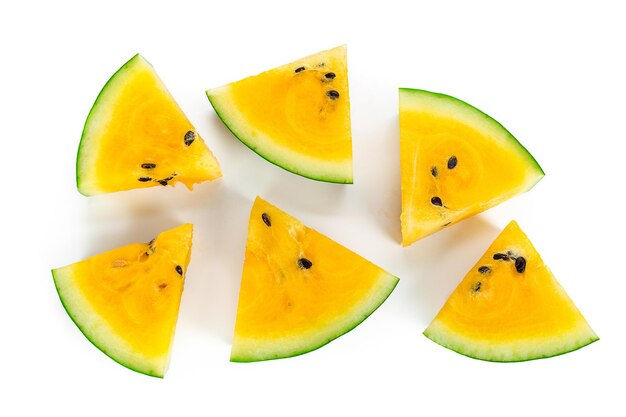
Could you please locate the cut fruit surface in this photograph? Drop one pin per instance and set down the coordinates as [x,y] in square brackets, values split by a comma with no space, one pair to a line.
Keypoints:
[299,289]
[296,116]
[455,162]
[136,136]
[126,301]
[510,308]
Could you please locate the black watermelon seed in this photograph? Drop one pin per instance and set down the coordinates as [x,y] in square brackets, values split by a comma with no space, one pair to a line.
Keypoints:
[484,269]
[151,242]
[434,171]
[447,224]
[179,269]
[162,286]
[148,166]
[330,75]
[520,264]
[163,182]
[476,286]
[436,201]
[144,179]
[334,95]
[304,263]
[501,256]
[168,178]
[266,219]
[299,69]
[190,136]
[452,162]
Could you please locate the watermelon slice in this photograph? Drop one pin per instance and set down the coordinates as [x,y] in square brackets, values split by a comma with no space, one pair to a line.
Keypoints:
[455,162]
[510,308]
[296,116]
[126,301]
[136,136]
[299,289]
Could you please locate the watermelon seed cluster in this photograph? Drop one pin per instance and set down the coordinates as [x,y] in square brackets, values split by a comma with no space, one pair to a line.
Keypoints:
[520,261]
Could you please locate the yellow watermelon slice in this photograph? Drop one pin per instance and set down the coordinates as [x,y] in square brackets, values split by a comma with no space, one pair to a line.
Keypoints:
[455,162]
[510,308]
[126,301]
[296,116]
[137,136]
[299,289]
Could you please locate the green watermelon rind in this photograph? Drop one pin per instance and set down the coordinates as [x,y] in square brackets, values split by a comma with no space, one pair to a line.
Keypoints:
[100,99]
[491,121]
[381,296]
[68,310]
[451,346]
[330,178]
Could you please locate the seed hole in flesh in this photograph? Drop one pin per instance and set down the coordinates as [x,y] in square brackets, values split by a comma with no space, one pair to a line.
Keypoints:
[119,263]
[148,166]
[434,172]
[334,95]
[476,286]
[520,264]
[436,201]
[179,269]
[452,162]
[162,286]
[304,263]
[330,75]
[144,179]
[501,256]
[300,69]
[266,219]
[190,136]
[484,269]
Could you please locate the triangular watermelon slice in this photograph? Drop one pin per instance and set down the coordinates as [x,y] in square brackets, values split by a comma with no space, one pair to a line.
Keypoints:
[455,162]
[136,136]
[296,116]
[510,307]
[126,301]
[299,289]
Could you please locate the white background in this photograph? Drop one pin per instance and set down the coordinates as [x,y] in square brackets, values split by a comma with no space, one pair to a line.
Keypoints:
[551,72]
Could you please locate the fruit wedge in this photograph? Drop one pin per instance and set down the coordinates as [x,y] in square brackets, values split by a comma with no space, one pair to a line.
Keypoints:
[455,162]
[136,136]
[296,116]
[299,289]
[126,301]
[510,308]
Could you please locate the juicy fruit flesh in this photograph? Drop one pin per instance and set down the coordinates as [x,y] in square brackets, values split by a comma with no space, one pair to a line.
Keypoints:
[296,116]
[136,123]
[299,289]
[126,300]
[455,162]
[499,313]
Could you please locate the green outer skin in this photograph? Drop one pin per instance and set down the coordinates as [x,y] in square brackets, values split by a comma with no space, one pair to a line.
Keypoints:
[576,347]
[129,63]
[530,157]
[126,365]
[243,359]
[267,158]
